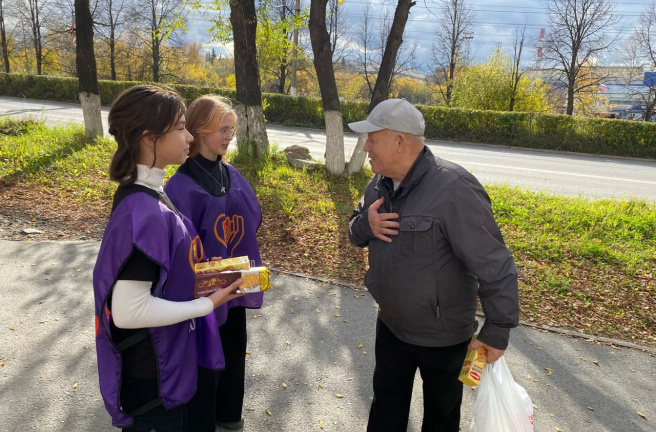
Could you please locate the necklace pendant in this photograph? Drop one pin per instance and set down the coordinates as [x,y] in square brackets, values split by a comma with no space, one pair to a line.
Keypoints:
[222,189]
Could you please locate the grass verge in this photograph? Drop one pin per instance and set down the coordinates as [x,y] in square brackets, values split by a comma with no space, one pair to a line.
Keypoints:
[584,265]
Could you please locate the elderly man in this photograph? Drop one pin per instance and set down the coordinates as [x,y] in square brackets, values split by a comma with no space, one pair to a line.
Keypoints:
[434,246]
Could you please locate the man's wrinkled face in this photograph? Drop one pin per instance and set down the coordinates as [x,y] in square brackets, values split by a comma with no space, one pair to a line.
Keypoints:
[382,149]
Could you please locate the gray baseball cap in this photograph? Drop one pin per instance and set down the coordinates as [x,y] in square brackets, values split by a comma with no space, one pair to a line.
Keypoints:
[394,114]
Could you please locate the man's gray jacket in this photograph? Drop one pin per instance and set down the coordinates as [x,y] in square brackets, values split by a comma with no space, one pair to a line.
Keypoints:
[448,250]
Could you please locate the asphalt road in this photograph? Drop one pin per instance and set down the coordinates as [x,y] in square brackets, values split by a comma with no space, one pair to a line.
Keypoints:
[307,336]
[548,171]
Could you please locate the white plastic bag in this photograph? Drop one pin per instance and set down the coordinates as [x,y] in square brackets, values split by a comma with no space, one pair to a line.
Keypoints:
[501,404]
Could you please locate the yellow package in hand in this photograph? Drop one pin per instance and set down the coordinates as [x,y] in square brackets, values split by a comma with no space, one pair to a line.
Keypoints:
[473,366]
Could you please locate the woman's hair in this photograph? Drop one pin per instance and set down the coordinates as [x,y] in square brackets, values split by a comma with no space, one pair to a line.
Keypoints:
[142,108]
[204,116]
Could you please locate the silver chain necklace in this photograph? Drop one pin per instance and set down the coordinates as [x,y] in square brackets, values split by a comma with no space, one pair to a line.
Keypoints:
[211,176]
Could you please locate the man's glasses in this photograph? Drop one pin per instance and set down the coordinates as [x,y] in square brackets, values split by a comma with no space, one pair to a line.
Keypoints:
[227,132]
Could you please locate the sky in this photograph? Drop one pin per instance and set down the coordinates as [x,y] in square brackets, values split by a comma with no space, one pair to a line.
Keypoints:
[495,24]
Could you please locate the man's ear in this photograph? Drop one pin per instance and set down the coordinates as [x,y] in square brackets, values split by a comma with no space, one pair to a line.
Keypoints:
[402,143]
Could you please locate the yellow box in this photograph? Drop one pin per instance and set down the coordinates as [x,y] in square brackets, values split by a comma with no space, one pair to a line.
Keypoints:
[237,263]
[473,366]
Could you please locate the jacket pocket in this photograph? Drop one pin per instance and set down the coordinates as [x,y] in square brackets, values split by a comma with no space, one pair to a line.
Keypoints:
[415,237]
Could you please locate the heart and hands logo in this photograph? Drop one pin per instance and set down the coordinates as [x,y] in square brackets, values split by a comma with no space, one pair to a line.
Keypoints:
[229,231]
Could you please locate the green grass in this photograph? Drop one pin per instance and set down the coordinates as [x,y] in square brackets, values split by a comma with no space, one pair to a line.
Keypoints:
[586,265]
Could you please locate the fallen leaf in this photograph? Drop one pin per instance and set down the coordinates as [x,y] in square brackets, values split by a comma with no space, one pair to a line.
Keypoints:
[356,296]
[360,346]
[320,387]
[347,379]
[334,293]
[288,343]
[590,408]
[320,423]
[250,409]
[536,380]
[248,353]
[595,362]
[338,307]
[75,385]
[268,412]
[616,347]
[318,311]
[632,370]
[346,321]
[339,395]
[12,328]
[337,315]
[256,316]
[558,429]
[295,298]
[292,310]
[2,364]
[284,385]
[538,348]
[364,353]
[642,415]
[548,371]
[535,406]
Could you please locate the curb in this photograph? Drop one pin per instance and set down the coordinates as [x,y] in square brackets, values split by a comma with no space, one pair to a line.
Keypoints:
[569,333]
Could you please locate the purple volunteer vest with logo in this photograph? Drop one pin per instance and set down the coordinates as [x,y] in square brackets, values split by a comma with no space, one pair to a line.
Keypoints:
[227,225]
[141,221]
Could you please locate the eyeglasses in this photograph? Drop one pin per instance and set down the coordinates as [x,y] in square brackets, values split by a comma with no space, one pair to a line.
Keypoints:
[227,132]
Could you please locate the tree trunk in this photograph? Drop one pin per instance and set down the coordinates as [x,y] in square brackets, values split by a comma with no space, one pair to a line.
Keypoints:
[282,77]
[384,79]
[86,70]
[112,54]
[3,38]
[251,131]
[394,41]
[323,64]
[155,41]
[570,97]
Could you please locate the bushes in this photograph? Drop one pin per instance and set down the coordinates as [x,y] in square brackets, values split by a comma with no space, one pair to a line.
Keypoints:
[530,130]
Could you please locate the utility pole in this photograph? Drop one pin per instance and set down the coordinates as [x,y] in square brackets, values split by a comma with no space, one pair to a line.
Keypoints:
[297,12]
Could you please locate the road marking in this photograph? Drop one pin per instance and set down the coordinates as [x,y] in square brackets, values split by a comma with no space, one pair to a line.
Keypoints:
[475,164]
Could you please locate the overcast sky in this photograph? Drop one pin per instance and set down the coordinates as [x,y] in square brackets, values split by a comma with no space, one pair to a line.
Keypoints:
[495,23]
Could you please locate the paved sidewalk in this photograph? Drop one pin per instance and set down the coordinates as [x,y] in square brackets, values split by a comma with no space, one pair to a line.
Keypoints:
[307,336]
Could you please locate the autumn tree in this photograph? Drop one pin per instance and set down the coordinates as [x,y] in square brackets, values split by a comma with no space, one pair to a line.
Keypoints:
[241,28]
[33,16]
[452,38]
[516,73]
[388,67]
[489,85]
[86,69]
[162,20]
[251,133]
[576,37]
[638,52]
[112,16]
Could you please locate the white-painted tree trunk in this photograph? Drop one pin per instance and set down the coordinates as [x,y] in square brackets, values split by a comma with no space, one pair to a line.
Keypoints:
[358,156]
[251,129]
[91,111]
[335,160]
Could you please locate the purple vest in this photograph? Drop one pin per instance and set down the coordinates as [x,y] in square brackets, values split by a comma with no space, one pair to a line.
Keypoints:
[142,221]
[227,225]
